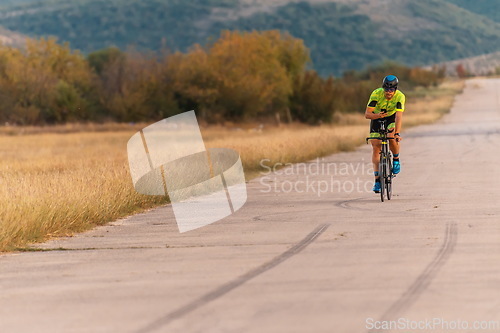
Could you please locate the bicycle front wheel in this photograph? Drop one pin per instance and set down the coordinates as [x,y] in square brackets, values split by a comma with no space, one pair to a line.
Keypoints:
[382,177]
[388,187]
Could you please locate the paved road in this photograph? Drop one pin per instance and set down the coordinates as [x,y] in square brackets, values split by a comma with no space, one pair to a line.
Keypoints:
[290,261]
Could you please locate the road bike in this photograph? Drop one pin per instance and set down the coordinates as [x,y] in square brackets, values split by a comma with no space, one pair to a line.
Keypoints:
[385,166]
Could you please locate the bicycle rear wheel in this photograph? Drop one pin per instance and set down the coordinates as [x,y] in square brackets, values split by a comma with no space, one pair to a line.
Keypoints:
[382,176]
[388,186]
[388,182]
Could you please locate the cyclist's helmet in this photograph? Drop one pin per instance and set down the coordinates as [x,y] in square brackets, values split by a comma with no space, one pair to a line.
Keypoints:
[390,81]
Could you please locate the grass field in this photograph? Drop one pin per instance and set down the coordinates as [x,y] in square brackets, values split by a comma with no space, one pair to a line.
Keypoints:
[61,180]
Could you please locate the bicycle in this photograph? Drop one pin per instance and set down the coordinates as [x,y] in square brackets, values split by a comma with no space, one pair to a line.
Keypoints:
[385,166]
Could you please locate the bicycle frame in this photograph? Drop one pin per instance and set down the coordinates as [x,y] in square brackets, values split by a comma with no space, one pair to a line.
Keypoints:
[385,165]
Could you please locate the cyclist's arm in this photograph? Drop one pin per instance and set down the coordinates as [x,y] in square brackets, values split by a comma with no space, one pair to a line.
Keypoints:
[399,121]
[400,107]
[370,115]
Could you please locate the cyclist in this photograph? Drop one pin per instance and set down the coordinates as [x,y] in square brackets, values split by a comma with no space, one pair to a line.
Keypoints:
[386,104]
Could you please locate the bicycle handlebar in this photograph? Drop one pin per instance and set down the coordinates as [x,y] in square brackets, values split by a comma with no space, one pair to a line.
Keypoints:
[381,139]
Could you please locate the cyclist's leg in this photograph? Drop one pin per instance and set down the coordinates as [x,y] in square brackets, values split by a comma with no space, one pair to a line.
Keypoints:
[392,143]
[377,146]
[395,147]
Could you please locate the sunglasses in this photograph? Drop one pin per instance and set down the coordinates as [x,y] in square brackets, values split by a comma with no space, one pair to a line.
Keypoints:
[390,89]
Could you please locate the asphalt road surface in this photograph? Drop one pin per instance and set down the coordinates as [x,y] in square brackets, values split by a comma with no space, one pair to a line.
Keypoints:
[293,259]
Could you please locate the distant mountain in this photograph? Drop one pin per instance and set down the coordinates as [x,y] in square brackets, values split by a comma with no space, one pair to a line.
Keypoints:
[488,8]
[11,38]
[341,34]
[10,3]
[484,64]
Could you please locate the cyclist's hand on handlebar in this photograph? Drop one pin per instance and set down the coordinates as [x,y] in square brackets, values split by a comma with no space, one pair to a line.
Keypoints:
[398,138]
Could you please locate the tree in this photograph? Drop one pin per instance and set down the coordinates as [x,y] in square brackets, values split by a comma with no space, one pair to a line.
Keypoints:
[100,60]
[461,71]
[135,87]
[194,80]
[40,80]
[255,72]
[314,98]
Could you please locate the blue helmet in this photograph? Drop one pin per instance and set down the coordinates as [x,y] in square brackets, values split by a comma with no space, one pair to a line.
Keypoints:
[390,81]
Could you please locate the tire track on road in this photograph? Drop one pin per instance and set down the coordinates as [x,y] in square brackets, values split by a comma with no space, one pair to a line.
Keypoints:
[346,204]
[411,295]
[226,288]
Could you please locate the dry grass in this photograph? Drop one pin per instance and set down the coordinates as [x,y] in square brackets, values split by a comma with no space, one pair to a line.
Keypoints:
[429,105]
[71,128]
[289,144]
[55,184]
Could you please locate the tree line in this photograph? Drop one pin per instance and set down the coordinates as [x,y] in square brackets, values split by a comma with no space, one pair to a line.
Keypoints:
[241,76]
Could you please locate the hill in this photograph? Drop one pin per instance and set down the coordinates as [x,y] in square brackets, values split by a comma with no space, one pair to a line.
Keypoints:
[485,64]
[11,3]
[8,37]
[488,8]
[341,34]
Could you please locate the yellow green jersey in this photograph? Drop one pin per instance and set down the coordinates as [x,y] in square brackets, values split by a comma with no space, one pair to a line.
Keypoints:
[378,101]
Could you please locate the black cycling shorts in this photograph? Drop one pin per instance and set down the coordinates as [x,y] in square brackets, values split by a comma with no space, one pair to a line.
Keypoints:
[390,122]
